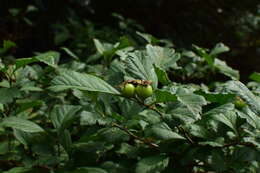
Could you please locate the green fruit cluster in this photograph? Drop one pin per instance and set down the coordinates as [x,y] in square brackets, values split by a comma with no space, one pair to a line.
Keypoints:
[142,91]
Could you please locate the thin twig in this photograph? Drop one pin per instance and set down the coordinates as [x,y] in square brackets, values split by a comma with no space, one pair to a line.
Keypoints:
[152,145]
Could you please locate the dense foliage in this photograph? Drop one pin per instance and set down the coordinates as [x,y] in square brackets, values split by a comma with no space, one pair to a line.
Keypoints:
[71,117]
[86,106]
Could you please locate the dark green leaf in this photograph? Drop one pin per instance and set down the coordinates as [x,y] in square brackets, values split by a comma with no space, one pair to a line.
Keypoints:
[86,82]
[152,164]
[22,124]
[255,76]
[241,90]
[162,76]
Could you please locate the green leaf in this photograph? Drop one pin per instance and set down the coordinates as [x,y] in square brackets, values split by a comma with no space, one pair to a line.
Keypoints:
[216,97]
[218,49]
[65,140]
[241,90]
[74,80]
[162,76]
[70,53]
[221,109]
[198,131]
[63,115]
[8,94]
[193,102]
[89,170]
[226,70]
[21,62]
[203,53]
[149,38]
[153,164]
[250,117]
[218,161]
[7,44]
[164,96]
[162,131]
[50,58]
[140,66]
[163,57]
[255,76]
[99,46]
[89,118]
[19,170]
[22,124]
[228,118]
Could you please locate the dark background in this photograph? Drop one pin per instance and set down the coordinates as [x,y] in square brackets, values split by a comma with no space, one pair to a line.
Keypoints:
[184,22]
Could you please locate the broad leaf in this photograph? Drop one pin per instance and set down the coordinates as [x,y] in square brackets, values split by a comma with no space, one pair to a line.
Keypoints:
[152,164]
[163,57]
[86,82]
[8,94]
[164,96]
[50,58]
[22,124]
[162,131]
[140,66]
[63,115]
[241,90]
[226,70]
[228,118]
[193,102]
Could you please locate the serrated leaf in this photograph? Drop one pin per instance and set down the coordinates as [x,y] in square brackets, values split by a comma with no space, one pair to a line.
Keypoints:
[250,117]
[241,90]
[22,124]
[193,102]
[162,131]
[226,70]
[74,80]
[153,164]
[163,57]
[221,109]
[63,115]
[228,118]
[140,66]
